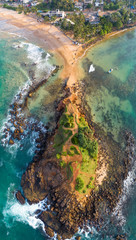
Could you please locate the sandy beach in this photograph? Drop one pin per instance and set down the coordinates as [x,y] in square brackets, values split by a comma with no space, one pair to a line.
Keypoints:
[50,38]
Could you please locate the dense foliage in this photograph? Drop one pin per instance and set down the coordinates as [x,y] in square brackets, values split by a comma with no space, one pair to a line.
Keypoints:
[85,31]
[55,4]
[9,7]
[79,183]
[111,6]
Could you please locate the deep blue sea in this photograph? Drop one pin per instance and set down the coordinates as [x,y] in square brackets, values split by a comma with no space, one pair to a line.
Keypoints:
[114,97]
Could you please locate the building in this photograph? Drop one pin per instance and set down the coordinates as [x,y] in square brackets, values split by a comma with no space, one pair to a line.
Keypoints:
[58,13]
[79,5]
[86,2]
[98,3]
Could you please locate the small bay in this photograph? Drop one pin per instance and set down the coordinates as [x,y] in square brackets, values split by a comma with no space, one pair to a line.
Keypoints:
[110,101]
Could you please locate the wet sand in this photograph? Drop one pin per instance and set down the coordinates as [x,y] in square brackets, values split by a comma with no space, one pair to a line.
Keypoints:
[51,38]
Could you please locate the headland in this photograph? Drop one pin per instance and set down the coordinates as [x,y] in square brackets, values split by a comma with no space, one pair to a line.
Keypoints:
[78,170]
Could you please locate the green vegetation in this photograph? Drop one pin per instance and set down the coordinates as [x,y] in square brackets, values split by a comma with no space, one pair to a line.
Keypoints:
[60,138]
[111,6]
[9,7]
[90,184]
[79,183]
[58,156]
[62,164]
[85,140]
[74,139]
[64,153]
[69,170]
[42,6]
[84,145]
[66,5]
[73,149]
[85,31]
[88,147]
[70,153]
[67,120]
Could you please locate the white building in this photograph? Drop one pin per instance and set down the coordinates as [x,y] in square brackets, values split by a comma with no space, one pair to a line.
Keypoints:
[86,2]
[57,13]
[79,5]
[98,3]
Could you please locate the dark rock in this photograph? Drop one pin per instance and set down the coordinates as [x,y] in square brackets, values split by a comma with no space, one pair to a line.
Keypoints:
[50,220]
[49,231]
[20,197]
[11,142]
[58,237]
[78,238]
[61,106]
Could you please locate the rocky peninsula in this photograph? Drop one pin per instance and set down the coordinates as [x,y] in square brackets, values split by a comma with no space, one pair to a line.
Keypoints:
[78,168]
[80,173]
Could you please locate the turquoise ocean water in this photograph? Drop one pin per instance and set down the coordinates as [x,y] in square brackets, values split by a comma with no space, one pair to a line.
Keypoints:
[112,98]
[17,58]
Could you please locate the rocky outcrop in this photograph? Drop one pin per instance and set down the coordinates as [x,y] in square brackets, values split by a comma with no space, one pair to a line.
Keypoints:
[20,197]
[45,178]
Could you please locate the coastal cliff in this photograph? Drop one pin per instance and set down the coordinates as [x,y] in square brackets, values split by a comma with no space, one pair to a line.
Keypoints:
[79,173]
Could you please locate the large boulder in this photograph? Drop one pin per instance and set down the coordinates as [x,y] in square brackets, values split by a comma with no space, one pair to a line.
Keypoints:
[20,197]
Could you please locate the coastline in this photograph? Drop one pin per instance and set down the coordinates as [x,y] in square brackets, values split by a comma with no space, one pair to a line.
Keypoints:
[54,41]
[48,37]
[70,69]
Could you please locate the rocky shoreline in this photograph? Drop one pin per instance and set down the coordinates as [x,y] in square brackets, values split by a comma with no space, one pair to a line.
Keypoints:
[18,124]
[44,178]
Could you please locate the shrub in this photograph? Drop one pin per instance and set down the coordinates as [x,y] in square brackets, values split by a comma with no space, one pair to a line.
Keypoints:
[58,156]
[83,140]
[74,139]
[91,178]
[74,150]
[79,183]
[9,7]
[90,185]
[82,122]
[62,163]
[69,170]
[93,149]
[71,153]
[64,153]
[60,138]
[67,120]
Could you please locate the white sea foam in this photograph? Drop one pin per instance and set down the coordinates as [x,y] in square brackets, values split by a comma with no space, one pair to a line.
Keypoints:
[36,55]
[92,68]
[128,186]
[41,59]
[26,213]
[87,232]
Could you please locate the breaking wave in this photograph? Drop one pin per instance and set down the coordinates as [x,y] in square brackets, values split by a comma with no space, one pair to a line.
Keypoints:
[17,123]
[128,188]
[38,57]
[26,213]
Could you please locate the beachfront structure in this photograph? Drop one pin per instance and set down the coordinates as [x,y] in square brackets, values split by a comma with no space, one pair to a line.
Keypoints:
[57,13]
[25,1]
[98,3]
[79,5]
[86,2]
